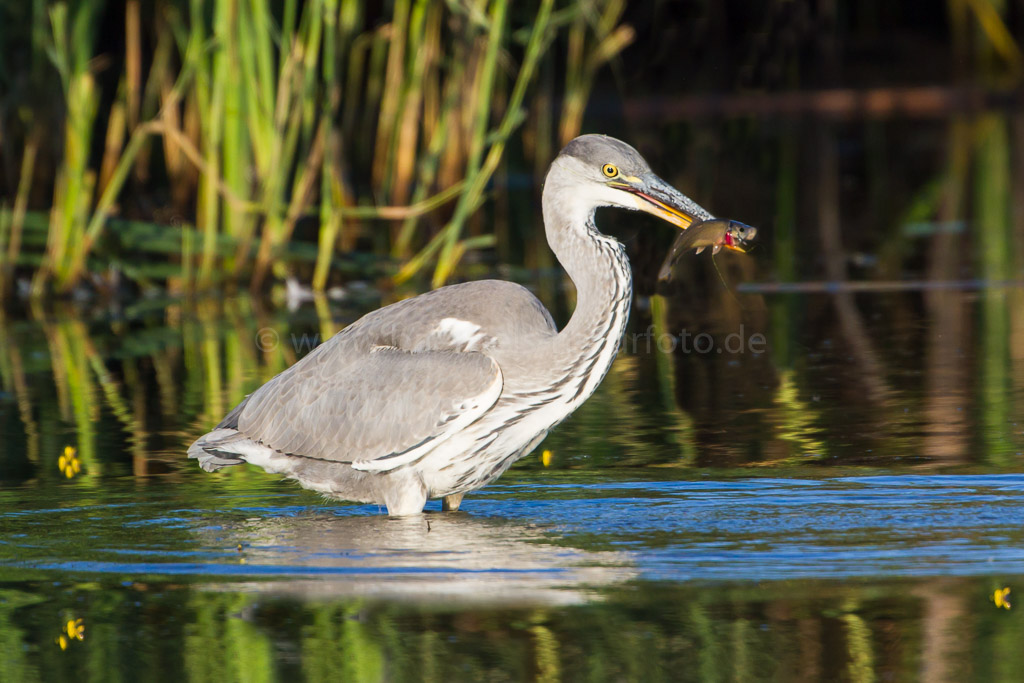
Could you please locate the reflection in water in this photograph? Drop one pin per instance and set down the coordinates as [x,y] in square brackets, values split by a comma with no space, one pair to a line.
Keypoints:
[866,578]
[840,378]
[650,632]
[871,373]
[439,559]
[945,417]
[129,396]
[947,379]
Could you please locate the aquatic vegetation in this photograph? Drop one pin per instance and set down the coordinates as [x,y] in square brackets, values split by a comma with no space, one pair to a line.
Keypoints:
[74,630]
[68,463]
[331,119]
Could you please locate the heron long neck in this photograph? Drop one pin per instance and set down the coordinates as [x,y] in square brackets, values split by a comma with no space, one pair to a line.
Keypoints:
[598,267]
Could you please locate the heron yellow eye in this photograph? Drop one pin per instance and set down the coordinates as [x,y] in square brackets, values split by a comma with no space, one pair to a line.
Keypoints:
[609,170]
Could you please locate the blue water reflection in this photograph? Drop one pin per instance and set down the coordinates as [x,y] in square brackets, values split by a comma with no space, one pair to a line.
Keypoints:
[751,529]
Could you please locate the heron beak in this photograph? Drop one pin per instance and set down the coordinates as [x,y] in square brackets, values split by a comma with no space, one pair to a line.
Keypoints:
[657,197]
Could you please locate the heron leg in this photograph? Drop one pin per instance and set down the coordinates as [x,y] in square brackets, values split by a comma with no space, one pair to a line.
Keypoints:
[406,500]
[452,502]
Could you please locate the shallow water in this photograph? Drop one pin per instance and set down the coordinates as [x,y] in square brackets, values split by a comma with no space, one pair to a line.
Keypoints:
[841,502]
[695,579]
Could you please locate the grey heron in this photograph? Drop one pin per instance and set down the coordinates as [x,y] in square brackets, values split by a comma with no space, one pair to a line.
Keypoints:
[437,395]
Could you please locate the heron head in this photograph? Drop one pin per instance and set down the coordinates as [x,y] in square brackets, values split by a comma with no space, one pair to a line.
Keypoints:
[608,172]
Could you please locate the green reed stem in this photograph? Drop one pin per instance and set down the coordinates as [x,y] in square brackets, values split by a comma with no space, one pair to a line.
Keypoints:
[17,215]
[513,117]
[482,110]
[264,119]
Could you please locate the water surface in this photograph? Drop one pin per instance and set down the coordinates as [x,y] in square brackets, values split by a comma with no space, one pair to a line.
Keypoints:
[697,578]
[842,501]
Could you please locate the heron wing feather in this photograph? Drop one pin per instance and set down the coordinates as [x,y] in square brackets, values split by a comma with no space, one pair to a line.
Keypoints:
[377,410]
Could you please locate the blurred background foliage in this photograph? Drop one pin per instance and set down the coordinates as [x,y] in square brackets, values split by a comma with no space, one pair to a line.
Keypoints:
[238,140]
[193,145]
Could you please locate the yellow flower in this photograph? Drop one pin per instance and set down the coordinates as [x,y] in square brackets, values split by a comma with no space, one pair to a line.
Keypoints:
[68,463]
[75,629]
[545,458]
[999,597]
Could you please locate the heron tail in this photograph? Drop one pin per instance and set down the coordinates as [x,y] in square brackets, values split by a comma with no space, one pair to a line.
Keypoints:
[219,448]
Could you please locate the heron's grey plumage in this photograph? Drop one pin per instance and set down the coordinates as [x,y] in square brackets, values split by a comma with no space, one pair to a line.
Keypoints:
[438,395]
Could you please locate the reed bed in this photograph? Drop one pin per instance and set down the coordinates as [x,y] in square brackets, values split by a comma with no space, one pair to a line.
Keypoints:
[245,128]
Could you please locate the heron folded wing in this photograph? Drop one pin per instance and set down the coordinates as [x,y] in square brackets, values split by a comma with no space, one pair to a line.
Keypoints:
[378,410]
